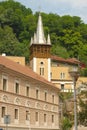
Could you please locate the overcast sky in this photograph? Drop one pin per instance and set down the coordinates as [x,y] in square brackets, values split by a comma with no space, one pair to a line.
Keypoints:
[61,7]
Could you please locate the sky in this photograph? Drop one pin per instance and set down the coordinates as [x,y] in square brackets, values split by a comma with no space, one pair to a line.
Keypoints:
[60,7]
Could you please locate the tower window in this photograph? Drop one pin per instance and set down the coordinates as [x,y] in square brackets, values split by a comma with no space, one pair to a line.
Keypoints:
[41,71]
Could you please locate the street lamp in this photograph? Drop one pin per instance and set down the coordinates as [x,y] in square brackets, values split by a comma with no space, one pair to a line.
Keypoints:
[75,74]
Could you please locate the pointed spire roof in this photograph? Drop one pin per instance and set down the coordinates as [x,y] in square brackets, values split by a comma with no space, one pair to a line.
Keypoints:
[39,37]
[40,31]
[48,40]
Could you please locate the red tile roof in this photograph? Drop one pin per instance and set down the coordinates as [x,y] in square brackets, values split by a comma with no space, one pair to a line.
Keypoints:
[9,64]
[70,61]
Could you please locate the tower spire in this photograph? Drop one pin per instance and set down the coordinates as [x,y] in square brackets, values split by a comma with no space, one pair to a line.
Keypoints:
[48,40]
[40,31]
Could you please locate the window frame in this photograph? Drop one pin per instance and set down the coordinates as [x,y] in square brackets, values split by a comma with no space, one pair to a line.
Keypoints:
[42,71]
[3,113]
[45,95]
[62,75]
[28,88]
[37,116]
[27,115]
[37,93]
[17,88]
[53,98]
[52,118]
[5,88]
[16,113]
[45,117]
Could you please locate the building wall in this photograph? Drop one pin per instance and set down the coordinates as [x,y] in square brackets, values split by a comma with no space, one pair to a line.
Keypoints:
[44,65]
[19,60]
[60,76]
[60,73]
[41,63]
[11,101]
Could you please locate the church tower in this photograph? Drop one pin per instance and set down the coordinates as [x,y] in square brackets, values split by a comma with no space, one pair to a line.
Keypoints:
[40,57]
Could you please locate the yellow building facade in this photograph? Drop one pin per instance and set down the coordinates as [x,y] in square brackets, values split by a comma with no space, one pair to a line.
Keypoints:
[27,101]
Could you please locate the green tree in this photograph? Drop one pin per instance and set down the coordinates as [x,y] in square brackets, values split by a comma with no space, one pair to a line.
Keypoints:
[73,42]
[67,117]
[66,124]
[8,41]
[82,115]
[60,51]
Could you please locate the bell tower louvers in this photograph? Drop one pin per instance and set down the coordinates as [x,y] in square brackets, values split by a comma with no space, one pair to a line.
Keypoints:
[40,51]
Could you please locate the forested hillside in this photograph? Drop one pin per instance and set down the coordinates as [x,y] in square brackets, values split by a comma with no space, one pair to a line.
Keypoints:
[18,24]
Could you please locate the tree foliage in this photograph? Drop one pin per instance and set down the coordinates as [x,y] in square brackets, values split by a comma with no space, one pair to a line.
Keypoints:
[66,121]
[68,34]
[82,115]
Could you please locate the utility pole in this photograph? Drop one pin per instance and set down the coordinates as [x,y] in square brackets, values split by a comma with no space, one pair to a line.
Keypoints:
[75,74]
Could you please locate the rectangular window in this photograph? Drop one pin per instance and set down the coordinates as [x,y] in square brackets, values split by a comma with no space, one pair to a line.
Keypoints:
[52,98]
[62,75]
[45,96]
[51,75]
[27,115]
[41,71]
[52,118]
[37,93]
[62,86]
[45,118]
[17,87]
[4,84]
[27,91]
[16,114]
[3,112]
[36,116]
